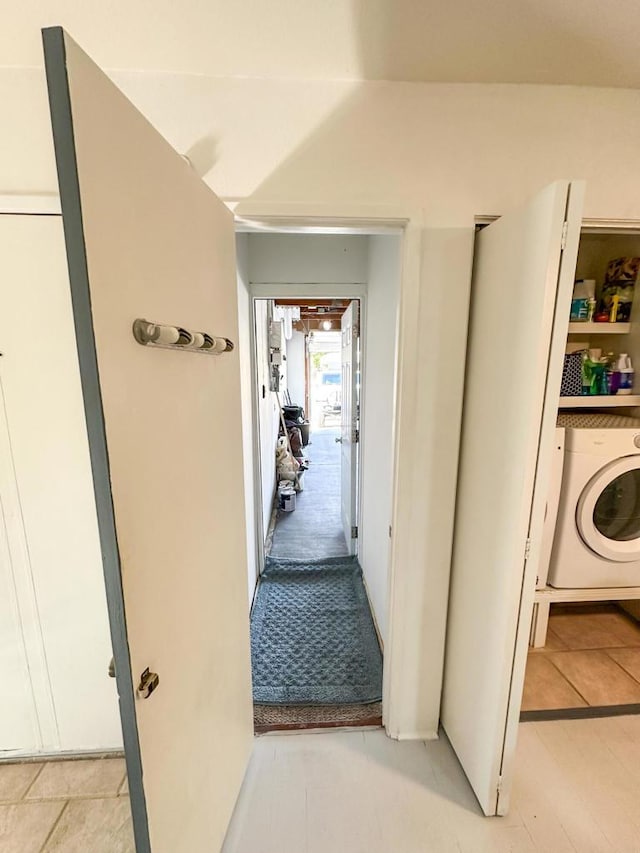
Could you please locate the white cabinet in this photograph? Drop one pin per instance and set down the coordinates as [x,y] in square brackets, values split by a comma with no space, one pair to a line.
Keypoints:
[55,636]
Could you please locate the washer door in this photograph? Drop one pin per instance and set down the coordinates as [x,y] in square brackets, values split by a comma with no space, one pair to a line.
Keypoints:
[608,512]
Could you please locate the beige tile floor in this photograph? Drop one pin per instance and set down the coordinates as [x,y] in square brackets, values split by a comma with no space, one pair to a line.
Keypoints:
[592,658]
[65,806]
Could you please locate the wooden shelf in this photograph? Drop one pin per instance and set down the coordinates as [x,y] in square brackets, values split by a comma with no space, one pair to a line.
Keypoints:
[593,402]
[599,328]
[623,593]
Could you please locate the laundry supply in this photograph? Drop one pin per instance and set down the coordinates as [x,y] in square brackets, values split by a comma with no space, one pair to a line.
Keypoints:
[626,373]
[584,291]
[619,282]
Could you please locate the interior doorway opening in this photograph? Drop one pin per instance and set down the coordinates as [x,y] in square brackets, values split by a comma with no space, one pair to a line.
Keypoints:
[314,303]
[315,365]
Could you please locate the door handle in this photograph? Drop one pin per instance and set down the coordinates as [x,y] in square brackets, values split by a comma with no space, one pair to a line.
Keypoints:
[338,440]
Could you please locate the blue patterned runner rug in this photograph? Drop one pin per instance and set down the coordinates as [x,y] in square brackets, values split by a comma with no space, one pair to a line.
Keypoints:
[313,641]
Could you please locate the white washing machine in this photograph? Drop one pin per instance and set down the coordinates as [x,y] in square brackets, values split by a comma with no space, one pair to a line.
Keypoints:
[597,537]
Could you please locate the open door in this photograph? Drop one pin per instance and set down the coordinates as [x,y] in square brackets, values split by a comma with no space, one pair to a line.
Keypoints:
[522,284]
[146,239]
[350,424]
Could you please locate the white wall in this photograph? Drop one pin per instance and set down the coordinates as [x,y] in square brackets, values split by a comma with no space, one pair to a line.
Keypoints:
[296,357]
[380,329]
[445,152]
[307,259]
[247,383]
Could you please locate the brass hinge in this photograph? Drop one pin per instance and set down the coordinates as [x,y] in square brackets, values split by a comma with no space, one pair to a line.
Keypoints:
[565,231]
[354,531]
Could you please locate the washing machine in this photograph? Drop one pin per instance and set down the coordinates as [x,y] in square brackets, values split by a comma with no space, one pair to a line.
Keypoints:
[597,536]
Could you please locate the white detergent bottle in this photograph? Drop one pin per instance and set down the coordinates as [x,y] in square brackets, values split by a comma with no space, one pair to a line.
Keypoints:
[626,372]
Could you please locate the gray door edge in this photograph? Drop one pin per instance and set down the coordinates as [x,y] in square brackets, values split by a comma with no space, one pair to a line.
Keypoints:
[62,123]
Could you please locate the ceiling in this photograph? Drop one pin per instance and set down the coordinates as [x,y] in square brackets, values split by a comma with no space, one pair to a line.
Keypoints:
[585,42]
[315,312]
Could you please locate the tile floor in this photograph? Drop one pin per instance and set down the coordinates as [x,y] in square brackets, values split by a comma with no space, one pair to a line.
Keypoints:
[576,790]
[592,658]
[65,807]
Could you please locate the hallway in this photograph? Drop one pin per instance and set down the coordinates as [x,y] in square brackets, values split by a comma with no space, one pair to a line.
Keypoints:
[316,659]
[314,529]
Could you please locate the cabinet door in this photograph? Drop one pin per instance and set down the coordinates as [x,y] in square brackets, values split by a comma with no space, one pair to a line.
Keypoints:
[61,588]
[147,239]
[19,731]
[522,283]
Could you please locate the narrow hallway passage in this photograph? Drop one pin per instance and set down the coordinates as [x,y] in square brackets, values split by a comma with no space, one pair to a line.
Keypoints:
[314,530]
[316,660]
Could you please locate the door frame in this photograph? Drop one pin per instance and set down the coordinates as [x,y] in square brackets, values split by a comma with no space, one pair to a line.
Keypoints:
[367,220]
[260,292]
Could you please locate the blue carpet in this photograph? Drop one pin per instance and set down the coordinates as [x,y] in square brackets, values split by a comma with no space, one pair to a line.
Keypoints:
[313,641]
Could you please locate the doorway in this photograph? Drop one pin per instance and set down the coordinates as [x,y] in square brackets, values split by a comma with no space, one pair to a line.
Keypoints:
[315,508]
[313,306]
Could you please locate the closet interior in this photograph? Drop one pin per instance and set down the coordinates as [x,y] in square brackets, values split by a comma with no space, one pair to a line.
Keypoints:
[584,655]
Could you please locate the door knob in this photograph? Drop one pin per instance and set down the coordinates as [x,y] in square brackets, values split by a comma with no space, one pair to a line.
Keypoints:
[338,440]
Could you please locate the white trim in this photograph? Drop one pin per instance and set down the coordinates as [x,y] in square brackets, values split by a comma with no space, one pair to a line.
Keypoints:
[23,203]
[407,371]
[589,226]
[419,735]
[259,531]
[299,218]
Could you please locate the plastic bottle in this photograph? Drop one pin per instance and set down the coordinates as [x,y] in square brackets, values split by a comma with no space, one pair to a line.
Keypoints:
[626,371]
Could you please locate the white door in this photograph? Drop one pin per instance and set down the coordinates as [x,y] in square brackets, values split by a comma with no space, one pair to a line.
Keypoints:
[147,239]
[350,424]
[520,303]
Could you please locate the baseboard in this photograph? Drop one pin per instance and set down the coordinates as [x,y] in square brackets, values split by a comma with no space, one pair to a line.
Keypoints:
[589,712]
[67,755]
[428,734]
[373,613]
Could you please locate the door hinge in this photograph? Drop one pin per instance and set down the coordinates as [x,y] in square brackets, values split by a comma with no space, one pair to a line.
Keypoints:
[527,549]
[499,786]
[565,231]
[354,531]
[355,436]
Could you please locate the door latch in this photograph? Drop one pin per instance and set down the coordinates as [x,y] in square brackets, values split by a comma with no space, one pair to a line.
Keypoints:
[148,683]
